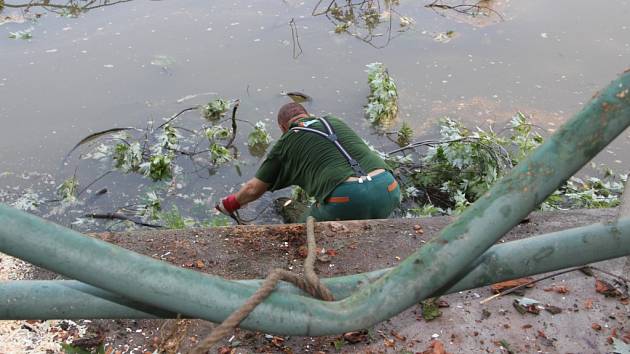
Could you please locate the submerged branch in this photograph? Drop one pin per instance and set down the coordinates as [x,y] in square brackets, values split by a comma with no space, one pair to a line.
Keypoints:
[236,104]
[177,115]
[119,216]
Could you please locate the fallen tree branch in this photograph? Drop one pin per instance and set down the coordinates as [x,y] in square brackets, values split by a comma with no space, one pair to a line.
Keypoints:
[511,290]
[119,216]
[236,104]
[177,115]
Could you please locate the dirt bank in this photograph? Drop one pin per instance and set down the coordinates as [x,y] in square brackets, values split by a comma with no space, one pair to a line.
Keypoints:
[464,327]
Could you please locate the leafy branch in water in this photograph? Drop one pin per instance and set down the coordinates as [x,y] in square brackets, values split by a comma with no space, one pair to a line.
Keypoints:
[462,165]
[67,191]
[259,136]
[168,154]
[371,21]
[382,104]
[216,109]
[404,135]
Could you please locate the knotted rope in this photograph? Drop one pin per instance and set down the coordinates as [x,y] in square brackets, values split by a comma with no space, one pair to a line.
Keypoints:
[310,283]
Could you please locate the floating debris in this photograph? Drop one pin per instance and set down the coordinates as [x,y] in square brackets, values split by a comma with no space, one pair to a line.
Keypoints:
[25,34]
[444,37]
[297,97]
[524,305]
[163,61]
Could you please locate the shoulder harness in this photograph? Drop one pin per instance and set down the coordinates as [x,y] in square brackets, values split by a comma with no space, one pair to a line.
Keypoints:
[332,137]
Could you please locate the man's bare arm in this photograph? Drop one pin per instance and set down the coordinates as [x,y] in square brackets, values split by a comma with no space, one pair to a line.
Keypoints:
[251,190]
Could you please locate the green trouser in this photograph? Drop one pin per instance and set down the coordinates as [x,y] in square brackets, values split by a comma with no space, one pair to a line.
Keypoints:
[375,199]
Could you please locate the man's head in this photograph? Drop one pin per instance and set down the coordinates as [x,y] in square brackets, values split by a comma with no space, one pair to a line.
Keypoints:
[289,113]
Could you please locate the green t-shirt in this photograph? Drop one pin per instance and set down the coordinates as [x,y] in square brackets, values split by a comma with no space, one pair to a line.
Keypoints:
[313,162]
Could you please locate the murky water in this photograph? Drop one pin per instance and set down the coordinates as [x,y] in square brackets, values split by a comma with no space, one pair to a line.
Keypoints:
[133,61]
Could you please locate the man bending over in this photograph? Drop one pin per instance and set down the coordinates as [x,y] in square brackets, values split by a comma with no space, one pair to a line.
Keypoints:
[330,162]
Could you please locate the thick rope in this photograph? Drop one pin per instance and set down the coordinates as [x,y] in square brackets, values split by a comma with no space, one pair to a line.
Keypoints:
[310,283]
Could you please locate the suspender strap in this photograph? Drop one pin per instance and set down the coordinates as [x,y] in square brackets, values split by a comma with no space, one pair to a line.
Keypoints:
[332,137]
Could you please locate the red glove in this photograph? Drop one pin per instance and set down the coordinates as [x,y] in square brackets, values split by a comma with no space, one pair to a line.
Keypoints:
[228,205]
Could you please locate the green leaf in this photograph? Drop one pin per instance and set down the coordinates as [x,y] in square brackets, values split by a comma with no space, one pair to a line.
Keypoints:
[382,104]
[214,110]
[430,309]
[67,191]
[259,136]
[71,349]
[404,135]
[219,154]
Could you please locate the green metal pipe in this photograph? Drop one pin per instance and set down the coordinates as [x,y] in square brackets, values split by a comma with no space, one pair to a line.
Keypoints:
[70,299]
[429,270]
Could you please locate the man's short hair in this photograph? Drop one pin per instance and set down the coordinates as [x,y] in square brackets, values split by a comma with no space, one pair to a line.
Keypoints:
[289,111]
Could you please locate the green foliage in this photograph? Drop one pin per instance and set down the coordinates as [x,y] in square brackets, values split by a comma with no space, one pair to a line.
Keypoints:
[217,132]
[219,154]
[382,104]
[72,349]
[430,309]
[175,220]
[342,27]
[127,157]
[339,343]
[259,136]
[168,138]
[67,191]
[158,167]
[299,195]
[26,34]
[404,135]
[461,167]
[150,207]
[427,210]
[216,109]
[524,137]
[217,221]
[593,192]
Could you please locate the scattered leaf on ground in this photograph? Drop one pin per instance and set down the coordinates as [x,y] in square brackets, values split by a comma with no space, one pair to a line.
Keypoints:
[606,288]
[430,309]
[337,227]
[355,337]
[442,303]
[588,304]
[226,350]
[524,305]
[587,270]
[436,347]
[560,289]
[506,345]
[542,337]
[596,326]
[398,336]
[554,310]
[509,284]
[277,341]
[325,258]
